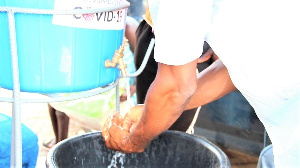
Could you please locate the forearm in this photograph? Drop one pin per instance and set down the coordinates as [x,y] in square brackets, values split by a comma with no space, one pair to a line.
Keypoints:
[165,101]
[212,84]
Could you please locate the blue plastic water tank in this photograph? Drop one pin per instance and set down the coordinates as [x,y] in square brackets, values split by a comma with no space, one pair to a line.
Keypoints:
[54,58]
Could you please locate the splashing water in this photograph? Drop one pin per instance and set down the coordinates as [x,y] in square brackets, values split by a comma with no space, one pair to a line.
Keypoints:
[120,155]
[115,161]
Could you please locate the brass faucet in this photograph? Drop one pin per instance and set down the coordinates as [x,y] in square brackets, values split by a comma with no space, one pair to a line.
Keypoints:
[118,58]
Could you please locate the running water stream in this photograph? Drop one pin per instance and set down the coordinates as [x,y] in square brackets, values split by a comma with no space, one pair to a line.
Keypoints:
[119,157]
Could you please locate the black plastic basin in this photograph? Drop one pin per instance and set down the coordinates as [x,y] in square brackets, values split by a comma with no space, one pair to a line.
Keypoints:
[171,149]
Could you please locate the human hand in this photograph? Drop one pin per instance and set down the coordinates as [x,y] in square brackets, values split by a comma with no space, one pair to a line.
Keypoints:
[123,97]
[206,56]
[132,117]
[117,132]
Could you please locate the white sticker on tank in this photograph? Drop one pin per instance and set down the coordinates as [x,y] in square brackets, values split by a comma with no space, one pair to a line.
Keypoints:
[111,20]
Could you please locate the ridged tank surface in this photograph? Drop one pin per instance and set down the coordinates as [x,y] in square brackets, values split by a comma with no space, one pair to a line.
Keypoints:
[55,58]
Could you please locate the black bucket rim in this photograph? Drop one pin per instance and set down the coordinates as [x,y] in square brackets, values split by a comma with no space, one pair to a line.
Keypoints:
[224,160]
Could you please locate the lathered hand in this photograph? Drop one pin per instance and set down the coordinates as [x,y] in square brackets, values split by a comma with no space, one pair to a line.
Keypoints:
[117,131]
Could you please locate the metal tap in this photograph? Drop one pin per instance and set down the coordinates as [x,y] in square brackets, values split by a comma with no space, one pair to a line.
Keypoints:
[118,58]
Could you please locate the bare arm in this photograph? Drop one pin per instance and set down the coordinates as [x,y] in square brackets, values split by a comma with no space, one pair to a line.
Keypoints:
[212,83]
[167,98]
[131,26]
[165,101]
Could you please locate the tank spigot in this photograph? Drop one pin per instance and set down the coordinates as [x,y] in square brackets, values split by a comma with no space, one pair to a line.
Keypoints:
[118,58]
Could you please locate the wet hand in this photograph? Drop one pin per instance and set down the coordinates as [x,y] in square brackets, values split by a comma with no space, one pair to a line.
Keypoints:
[117,132]
[132,117]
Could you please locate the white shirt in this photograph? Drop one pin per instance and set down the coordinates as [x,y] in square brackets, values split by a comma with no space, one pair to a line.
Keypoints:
[258,41]
[166,26]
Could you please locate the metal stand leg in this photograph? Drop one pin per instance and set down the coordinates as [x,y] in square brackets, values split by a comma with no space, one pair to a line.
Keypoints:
[118,96]
[16,138]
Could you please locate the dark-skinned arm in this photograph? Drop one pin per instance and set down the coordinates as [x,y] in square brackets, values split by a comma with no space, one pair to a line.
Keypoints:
[212,83]
[130,30]
[164,103]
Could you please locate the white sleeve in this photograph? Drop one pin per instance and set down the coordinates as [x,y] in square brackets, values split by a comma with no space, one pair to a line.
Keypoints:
[180,28]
